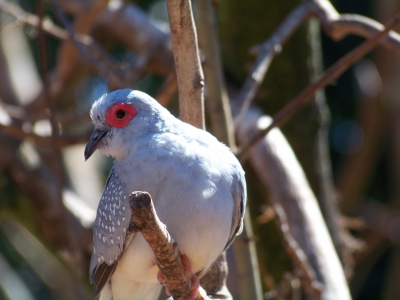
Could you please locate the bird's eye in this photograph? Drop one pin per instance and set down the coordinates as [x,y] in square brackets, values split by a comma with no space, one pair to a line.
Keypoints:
[120,114]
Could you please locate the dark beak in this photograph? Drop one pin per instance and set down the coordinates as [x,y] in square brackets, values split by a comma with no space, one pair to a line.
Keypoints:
[94,141]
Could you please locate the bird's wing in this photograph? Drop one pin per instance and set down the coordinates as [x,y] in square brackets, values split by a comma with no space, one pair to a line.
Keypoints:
[239,198]
[109,232]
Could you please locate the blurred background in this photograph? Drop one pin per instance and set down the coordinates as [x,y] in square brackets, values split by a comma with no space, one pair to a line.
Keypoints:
[49,194]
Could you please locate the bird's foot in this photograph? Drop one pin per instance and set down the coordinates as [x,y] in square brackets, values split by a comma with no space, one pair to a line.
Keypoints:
[194,279]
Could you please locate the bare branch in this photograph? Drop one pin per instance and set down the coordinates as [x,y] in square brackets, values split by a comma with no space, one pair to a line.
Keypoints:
[187,62]
[324,79]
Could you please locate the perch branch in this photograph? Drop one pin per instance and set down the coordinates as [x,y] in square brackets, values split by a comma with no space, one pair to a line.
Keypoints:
[323,80]
[187,62]
[144,219]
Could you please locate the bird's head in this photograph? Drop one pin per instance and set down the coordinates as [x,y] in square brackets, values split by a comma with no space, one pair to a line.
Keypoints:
[119,118]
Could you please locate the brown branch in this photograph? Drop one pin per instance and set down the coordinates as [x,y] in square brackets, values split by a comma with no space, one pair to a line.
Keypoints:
[187,62]
[323,80]
[144,219]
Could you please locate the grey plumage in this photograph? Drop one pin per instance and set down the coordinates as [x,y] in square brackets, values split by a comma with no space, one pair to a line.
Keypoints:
[196,183]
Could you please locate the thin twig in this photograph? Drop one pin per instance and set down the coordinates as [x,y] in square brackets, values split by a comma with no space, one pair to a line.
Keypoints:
[332,73]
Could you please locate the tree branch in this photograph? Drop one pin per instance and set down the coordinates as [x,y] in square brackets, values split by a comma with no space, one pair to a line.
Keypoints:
[187,62]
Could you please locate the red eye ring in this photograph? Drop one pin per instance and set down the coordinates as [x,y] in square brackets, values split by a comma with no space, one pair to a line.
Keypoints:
[120,114]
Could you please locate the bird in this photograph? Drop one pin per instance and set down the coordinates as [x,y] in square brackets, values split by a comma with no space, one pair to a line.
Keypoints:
[196,183]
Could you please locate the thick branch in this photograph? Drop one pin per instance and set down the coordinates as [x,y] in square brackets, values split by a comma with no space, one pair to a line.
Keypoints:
[144,219]
[308,244]
[187,62]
